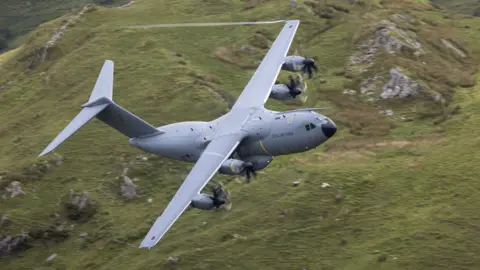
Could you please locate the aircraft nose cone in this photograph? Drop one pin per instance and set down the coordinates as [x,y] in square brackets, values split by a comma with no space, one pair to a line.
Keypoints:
[329,129]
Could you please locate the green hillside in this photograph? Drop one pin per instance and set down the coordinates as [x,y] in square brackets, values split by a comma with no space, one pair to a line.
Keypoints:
[19,17]
[471,7]
[401,172]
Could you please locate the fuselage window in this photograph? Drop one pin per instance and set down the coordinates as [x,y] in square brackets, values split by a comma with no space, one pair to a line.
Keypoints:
[307,127]
[312,126]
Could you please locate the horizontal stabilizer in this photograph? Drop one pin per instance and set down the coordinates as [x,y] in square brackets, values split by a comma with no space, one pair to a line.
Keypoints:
[81,119]
[305,110]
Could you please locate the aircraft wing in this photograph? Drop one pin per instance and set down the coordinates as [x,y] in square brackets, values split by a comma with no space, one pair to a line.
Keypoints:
[258,88]
[216,152]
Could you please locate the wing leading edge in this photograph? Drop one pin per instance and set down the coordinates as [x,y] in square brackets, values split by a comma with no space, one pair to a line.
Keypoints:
[258,88]
[217,151]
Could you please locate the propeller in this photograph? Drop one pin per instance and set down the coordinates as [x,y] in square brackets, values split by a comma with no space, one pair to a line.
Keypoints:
[309,64]
[293,86]
[221,196]
[218,195]
[249,169]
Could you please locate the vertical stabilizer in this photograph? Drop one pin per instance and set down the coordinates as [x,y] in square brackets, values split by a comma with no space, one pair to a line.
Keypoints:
[104,85]
[101,106]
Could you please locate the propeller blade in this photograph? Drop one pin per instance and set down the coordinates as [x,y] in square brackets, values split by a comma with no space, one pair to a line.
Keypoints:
[249,170]
[304,69]
[248,176]
[289,84]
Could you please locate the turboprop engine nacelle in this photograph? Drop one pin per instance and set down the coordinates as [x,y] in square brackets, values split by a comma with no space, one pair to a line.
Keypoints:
[282,92]
[293,63]
[232,167]
[296,63]
[204,202]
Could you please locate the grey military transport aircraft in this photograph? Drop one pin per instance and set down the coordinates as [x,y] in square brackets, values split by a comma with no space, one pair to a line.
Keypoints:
[240,142]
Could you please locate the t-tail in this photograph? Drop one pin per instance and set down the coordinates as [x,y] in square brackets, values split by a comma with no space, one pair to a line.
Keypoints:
[101,106]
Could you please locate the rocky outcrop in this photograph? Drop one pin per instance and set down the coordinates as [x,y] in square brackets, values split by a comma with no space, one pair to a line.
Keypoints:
[393,39]
[399,86]
[173,260]
[4,222]
[57,35]
[388,38]
[128,4]
[369,86]
[15,189]
[349,92]
[128,189]
[11,244]
[80,207]
[458,52]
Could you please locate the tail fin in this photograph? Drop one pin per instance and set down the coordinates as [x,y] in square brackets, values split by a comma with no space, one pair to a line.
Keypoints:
[101,105]
[104,85]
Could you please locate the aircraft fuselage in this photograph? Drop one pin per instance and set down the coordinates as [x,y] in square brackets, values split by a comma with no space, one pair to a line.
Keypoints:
[270,134]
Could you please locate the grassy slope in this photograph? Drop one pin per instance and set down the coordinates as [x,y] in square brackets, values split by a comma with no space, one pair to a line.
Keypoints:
[22,16]
[416,205]
[464,6]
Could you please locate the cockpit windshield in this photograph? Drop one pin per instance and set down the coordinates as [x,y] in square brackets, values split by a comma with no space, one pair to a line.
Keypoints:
[310,126]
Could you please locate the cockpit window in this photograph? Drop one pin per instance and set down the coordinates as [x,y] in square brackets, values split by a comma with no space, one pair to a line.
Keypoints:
[310,126]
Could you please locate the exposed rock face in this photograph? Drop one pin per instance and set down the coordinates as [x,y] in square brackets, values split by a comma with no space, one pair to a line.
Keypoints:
[387,112]
[61,31]
[293,3]
[128,4]
[349,92]
[453,48]
[10,244]
[58,159]
[393,39]
[80,207]
[173,260]
[15,244]
[4,221]
[399,86]
[128,188]
[15,189]
[389,38]
[51,257]
[368,87]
